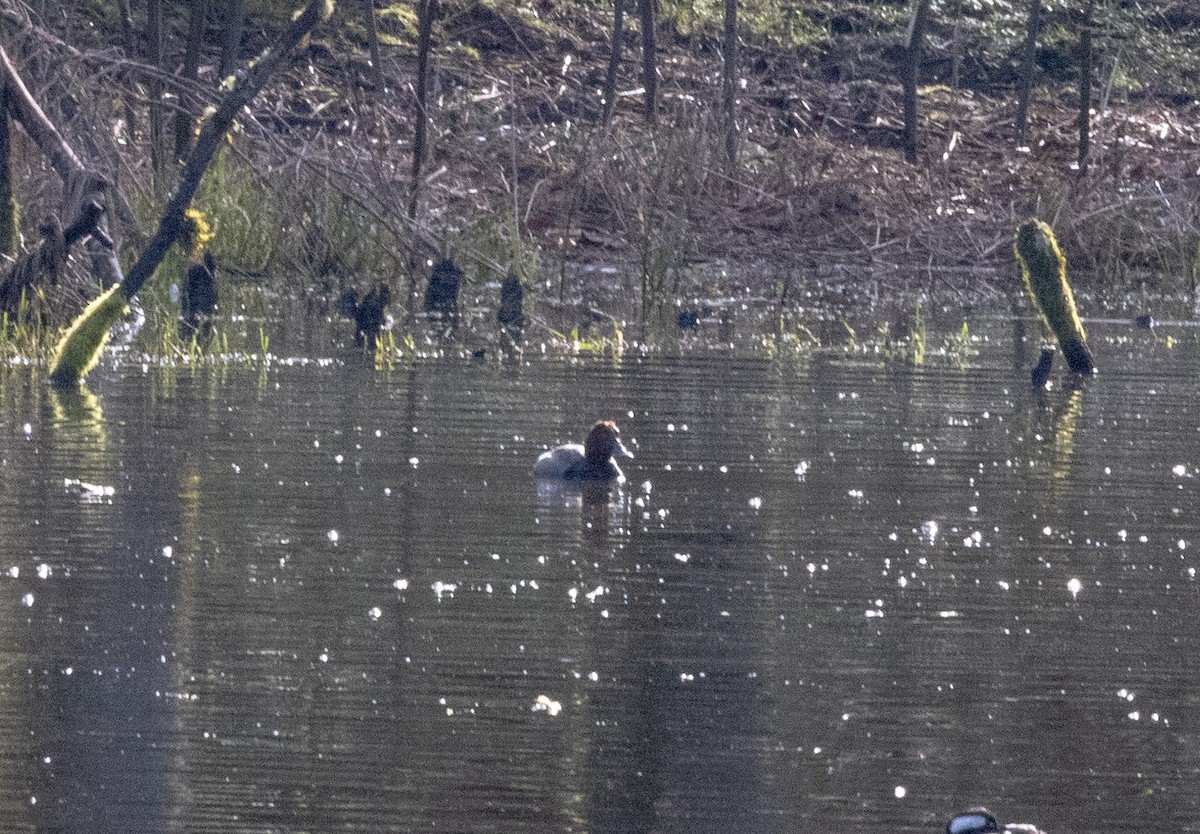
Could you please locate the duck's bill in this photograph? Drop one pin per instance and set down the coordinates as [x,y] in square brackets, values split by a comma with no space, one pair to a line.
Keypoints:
[619,451]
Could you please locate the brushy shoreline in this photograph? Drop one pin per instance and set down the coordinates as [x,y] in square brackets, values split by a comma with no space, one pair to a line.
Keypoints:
[309,197]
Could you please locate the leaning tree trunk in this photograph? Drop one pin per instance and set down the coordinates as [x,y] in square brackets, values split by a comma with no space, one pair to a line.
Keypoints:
[912,62]
[730,85]
[1028,67]
[614,62]
[212,133]
[189,74]
[1085,83]
[649,61]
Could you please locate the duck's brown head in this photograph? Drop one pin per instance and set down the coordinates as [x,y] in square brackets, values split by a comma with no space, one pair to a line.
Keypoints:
[604,443]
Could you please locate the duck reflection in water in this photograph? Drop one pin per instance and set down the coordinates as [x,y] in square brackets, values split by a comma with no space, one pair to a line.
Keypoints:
[592,462]
[981,821]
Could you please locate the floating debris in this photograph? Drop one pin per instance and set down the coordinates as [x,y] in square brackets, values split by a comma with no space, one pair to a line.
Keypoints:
[546,704]
[90,493]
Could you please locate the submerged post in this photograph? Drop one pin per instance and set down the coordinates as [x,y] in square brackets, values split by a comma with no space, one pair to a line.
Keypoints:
[1044,269]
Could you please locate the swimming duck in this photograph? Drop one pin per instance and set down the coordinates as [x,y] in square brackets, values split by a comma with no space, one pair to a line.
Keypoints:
[981,821]
[593,461]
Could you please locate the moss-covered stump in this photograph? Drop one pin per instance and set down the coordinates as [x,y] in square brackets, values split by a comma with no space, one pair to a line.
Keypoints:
[1044,269]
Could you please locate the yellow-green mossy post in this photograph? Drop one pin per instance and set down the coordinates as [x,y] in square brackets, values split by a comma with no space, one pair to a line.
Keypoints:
[1044,269]
[79,349]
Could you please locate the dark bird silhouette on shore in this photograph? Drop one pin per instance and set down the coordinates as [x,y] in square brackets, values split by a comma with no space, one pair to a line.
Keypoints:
[689,318]
[441,295]
[368,314]
[511,314]
[199,299]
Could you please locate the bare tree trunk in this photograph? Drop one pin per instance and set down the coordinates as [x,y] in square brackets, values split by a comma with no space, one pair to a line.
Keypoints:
[1085,83]
[154,45]
[373,42]
[32,118]
[730,84]
[128,35]
[614,62]
[912,62]
[649,61]
[231,36]
[129,39]
[9,231]
[956,51]
[190,73]
[1028,67]
[425,10]
[420,137]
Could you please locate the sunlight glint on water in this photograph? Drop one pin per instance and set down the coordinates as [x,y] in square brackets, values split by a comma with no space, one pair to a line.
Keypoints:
[832,595]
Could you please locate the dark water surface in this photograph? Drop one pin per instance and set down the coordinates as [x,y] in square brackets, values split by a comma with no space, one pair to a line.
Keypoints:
[835,595]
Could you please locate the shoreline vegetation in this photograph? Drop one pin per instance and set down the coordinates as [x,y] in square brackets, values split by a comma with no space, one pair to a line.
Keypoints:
[661,211]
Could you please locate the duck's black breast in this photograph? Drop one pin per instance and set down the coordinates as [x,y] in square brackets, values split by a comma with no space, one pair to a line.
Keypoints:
[585,471]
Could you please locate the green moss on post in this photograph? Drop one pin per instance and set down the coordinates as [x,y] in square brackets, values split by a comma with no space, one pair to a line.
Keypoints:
[1045,272]
[80,347]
